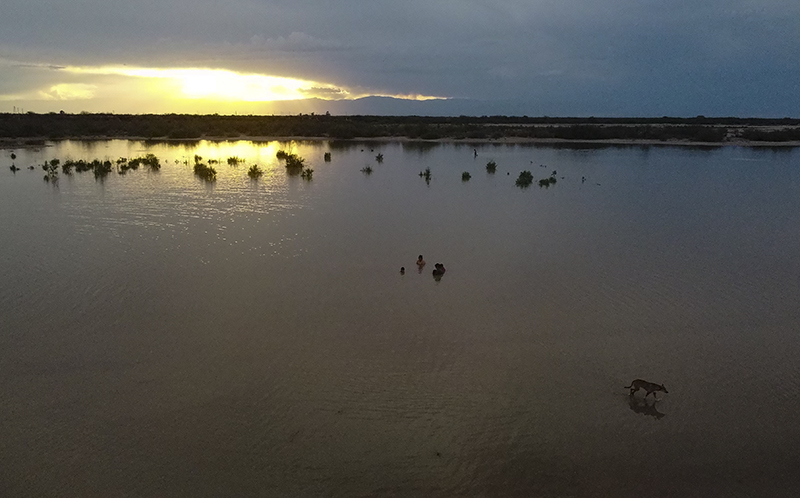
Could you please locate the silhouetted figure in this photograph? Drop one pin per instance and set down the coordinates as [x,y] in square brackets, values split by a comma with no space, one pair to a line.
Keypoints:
[438,271]
[475,151]
[420,263]
[402,270]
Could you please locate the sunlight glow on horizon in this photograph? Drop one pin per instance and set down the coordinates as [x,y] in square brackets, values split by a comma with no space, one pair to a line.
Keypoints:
[223,85]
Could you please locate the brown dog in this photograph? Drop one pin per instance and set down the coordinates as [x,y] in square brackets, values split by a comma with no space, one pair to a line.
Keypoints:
[647,386]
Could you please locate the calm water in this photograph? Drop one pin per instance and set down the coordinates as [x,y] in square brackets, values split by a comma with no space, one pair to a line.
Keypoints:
[161,336]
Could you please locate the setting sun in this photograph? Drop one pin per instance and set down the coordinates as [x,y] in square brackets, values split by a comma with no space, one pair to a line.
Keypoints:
[221,84]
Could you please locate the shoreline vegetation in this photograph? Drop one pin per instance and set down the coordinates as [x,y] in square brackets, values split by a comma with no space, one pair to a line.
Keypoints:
[21,129]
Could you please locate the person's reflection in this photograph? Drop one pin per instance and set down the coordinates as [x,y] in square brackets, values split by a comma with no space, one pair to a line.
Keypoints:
[438,271]
[645,408]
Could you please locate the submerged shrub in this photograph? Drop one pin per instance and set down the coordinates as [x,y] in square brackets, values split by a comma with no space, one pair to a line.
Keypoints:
[465,176]
[327,157]
[379,158]
[150,160]
[254,172]
[525,179]
[294,163]
[367,170]
[546,182]
[205,172]
[101,170]
[307,173]
[491,167]
[234,161]
[51,170]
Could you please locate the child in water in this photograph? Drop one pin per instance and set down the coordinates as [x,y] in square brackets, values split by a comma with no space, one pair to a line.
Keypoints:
[420,262]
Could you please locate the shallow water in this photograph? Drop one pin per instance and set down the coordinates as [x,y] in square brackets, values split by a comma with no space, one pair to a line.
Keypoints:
[162,336]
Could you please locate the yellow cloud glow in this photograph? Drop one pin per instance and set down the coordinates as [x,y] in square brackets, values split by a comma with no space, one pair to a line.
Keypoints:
[70,91]
[222,85]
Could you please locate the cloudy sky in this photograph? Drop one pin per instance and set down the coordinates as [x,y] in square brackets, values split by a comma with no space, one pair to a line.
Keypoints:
[533,57]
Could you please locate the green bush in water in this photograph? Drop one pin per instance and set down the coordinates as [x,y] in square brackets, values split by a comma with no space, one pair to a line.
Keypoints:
[546,182]
[254,172]
[205,172]
[525,179]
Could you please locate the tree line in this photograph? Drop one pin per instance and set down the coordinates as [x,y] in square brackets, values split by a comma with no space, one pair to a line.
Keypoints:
[193,127]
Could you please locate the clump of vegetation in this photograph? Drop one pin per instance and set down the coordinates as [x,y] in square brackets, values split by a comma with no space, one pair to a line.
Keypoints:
[465,176]
[235,161]
[327,157]
[367,170]
[254,172]
[123,166]
[150,161]
[379,158]
[294,163]
[13,156]
[13,168]
[102,170]
[307,173]
[546,182]
[426,174]
[525,179]
[51,170]
[491,167]
[204,171]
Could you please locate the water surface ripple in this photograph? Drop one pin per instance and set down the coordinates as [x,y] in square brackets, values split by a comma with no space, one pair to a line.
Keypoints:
[165,336]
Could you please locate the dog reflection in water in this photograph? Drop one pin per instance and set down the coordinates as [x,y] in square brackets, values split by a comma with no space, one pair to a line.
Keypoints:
[642,406]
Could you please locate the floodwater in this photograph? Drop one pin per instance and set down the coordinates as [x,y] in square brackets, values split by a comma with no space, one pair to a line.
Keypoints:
[164,336]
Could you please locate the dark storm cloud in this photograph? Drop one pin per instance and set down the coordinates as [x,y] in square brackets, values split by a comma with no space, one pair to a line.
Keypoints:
[563,57]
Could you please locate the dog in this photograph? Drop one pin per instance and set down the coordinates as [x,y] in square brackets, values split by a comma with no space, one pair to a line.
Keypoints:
[647,386]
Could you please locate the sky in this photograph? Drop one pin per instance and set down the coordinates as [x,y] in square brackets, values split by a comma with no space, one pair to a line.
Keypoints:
[473,57]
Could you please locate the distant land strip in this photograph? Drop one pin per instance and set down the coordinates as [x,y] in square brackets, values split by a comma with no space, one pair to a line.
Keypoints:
[20,128]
